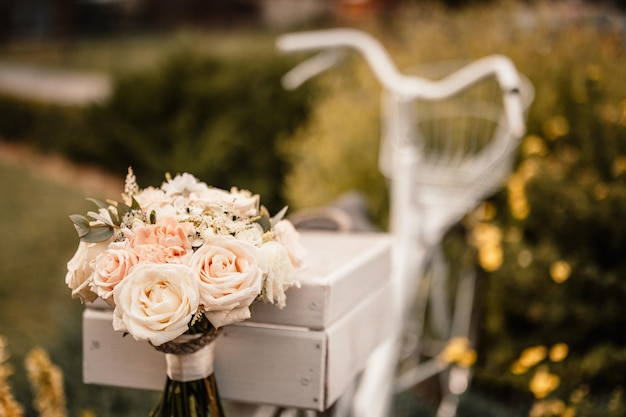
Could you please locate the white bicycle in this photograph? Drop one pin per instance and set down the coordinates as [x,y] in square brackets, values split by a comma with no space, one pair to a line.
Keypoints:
[447,143]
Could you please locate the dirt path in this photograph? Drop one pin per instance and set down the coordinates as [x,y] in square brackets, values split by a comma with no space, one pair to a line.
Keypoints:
[52,85]
[94,182]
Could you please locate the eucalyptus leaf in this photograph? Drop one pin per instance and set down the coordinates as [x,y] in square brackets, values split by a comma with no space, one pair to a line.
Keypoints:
[81,224]
[98,202]
[265,222]
[100,218]
[122,210]
[278,216]
[98,234]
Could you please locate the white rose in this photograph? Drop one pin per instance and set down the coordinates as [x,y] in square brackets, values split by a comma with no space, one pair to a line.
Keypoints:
[280,274]
[287,235]
[80,270]
[156,302]
[230,278]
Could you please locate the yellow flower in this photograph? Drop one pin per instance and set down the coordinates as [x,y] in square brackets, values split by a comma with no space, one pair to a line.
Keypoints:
[559,352]
[458,351]
[556,127]
[524,258]
[486,234]
[543,382]
[569,412]
[517,368]
[517,196]
[487,238]
[547,408]
[490,257]
[619,165]
[560,271]
[534,145]
[532,356]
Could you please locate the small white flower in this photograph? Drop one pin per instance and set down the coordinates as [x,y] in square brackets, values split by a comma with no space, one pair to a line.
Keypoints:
[252,233]
[288,236]
[280,274]
[183,184]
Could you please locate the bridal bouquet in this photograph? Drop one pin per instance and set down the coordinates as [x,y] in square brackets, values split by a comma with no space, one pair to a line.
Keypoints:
[177,263]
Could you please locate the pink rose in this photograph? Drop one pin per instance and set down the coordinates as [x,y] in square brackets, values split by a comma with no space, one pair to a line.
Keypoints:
[111,266]
[230,278]
[166,241]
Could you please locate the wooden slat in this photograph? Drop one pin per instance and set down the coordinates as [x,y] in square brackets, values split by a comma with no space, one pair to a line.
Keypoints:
[353,337]
[253,364]
[342,269]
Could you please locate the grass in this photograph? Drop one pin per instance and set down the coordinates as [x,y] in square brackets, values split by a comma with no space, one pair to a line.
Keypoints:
[35,305]
[36,242]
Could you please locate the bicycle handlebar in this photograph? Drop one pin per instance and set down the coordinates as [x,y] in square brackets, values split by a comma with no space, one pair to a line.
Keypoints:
[395,82]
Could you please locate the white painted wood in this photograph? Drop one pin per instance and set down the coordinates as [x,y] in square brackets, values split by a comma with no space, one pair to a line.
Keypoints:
[110,359]
[342,269]
[352,339]
[253,364]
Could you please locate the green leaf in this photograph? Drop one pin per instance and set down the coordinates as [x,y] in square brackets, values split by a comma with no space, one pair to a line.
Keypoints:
[135,205]
[102,219]
[81,224]
[279,216]
[264,221]
[99,203]
[122,210]
[98,234]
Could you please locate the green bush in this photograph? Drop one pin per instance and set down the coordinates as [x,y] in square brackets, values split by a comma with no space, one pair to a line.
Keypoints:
[221,120]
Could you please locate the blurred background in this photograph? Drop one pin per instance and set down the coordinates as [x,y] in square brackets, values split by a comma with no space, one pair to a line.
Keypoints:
[90,87]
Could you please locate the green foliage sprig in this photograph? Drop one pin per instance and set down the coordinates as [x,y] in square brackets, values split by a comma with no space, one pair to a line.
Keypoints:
[100,226]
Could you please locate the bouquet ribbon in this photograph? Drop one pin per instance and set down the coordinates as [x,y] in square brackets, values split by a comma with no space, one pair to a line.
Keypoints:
[190,357]
[191,366]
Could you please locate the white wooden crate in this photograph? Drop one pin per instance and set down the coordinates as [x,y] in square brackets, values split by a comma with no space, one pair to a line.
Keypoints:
[302,356]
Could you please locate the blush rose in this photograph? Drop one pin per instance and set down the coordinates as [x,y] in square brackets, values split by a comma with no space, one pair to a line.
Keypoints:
[230,278]
[111,266]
